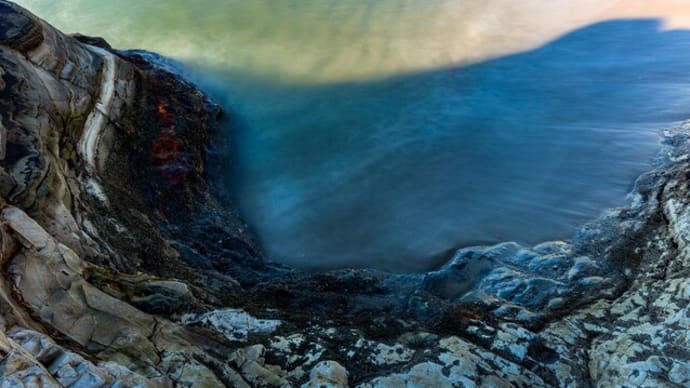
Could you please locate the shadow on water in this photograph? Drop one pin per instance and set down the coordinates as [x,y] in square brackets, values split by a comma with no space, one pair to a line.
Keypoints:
[390,173]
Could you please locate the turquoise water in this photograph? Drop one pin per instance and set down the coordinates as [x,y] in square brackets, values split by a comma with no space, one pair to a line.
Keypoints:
[385,133]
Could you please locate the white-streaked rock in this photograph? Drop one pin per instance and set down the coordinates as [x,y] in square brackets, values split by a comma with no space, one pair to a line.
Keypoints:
[235,324]
[97,119]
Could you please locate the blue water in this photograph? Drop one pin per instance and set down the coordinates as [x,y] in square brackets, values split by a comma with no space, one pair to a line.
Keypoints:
[393,173]
[384,134]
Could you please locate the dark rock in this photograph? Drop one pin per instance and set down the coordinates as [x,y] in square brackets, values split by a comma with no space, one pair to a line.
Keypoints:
[18,29]
[92,40]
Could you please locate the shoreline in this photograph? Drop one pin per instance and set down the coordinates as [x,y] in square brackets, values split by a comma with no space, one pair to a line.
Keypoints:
[160,284]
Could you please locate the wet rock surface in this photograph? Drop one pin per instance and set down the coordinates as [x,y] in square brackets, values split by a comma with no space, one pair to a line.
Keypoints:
[120,268]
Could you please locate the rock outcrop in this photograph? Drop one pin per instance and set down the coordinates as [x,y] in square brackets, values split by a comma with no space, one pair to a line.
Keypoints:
[120,267]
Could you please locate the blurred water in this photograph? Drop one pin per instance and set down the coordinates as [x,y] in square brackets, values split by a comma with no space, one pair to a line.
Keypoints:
[384,133]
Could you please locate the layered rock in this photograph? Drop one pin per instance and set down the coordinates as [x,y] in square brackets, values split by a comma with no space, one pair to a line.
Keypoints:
[120,268]
[69,111]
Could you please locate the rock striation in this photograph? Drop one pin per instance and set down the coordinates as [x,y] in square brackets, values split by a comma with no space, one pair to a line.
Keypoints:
[120,268]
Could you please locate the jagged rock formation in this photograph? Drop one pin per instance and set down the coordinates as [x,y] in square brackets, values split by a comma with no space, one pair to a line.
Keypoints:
[121,269]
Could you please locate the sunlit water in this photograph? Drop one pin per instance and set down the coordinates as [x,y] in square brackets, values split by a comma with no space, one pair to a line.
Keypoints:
[384,133]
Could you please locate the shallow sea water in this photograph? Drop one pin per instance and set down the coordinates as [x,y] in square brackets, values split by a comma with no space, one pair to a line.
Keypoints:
[386,133]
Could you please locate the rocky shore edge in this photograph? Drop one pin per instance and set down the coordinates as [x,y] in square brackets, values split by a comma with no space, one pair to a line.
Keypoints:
[120,267]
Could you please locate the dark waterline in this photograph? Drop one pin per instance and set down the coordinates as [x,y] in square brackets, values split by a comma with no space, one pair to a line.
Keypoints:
[393,173]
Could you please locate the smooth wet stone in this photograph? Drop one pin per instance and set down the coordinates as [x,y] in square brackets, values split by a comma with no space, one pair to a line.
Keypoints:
[531,281]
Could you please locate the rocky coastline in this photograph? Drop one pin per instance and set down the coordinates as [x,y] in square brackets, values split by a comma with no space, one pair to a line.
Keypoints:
[122,268]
